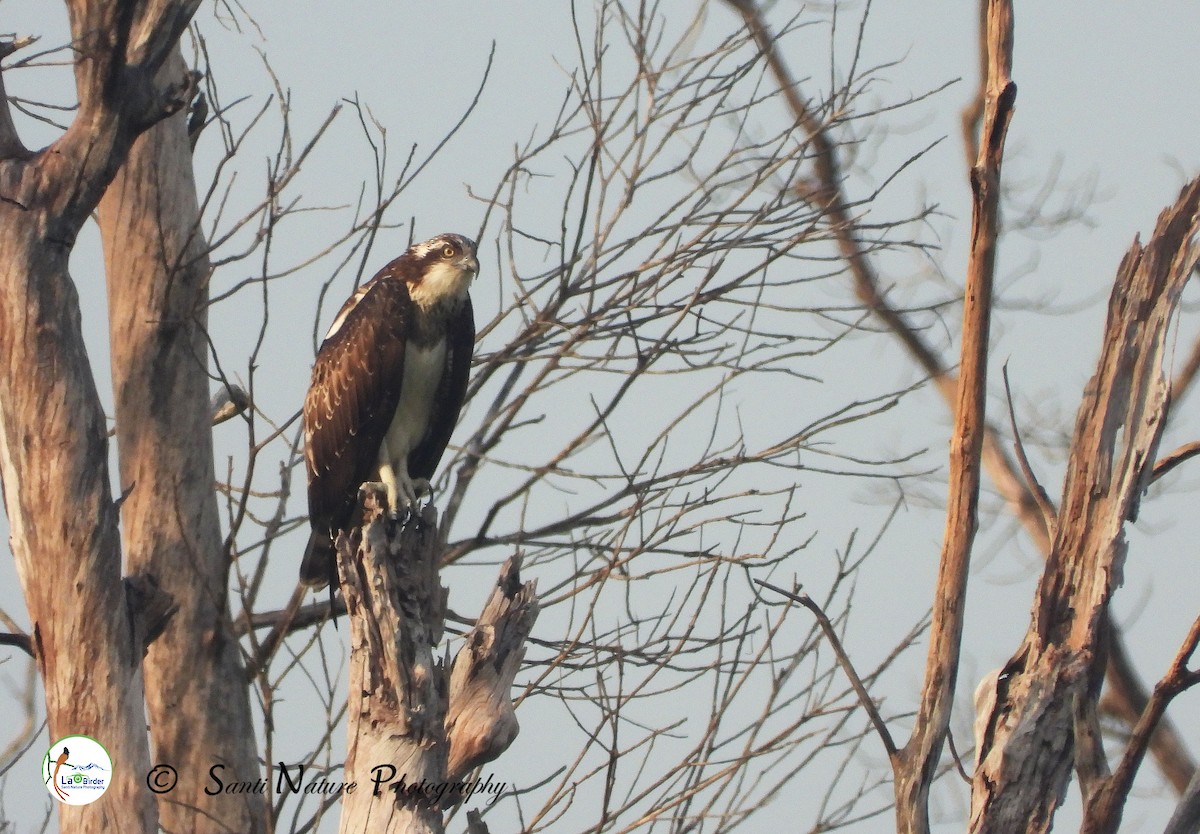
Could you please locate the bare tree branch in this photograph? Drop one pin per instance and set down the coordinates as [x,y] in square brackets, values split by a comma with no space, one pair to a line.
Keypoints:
[20,641]
[1049,515]
[481,721]
[1124,684]
[1027,749]
[864,697]
[1168,462]
[1186,819]
[920,756]
[1106,800]
[11,146]
[157,274]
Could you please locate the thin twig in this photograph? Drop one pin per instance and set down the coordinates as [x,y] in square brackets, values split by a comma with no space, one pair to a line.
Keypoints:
[1105,806]
[21,641]
[1168,462]
[864,697]
[958,765]
[1178,679]
[284,624]
[1049,514]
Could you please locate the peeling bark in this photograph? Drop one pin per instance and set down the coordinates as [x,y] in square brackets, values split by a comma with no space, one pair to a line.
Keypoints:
[412,720]
[1029,739]
[53,438]
[482,722]
[157,273]
[916,764]
[1127,694]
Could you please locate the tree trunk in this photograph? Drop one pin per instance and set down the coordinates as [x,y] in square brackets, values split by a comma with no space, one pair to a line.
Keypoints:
[157,269]
[54,465]
[86,628]
[1041,725]
[416,729]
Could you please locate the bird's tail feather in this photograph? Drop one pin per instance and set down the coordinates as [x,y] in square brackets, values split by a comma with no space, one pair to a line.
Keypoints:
[319,566]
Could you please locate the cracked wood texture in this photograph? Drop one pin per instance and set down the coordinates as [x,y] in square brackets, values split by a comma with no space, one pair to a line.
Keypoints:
[157,270]
[53,443]
[482,722]
[1127,695]
[1046,696]
[916,764]
[406,708]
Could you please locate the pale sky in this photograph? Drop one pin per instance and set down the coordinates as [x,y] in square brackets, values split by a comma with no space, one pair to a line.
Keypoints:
[1106,97]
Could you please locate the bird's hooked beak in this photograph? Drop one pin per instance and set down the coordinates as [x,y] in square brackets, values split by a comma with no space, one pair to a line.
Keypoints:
[469,263]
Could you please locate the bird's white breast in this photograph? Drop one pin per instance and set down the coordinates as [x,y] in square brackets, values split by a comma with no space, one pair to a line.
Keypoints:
[422,375]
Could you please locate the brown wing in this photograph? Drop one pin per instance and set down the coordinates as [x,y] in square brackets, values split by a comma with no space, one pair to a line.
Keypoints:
[355,388]
[460,341]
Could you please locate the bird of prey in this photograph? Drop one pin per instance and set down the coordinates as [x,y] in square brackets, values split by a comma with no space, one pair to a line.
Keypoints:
[387,387]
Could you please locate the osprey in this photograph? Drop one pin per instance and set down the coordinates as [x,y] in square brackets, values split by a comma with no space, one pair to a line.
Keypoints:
[386,390]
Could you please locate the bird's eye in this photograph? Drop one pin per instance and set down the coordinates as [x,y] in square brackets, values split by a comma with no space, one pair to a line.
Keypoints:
[447,251]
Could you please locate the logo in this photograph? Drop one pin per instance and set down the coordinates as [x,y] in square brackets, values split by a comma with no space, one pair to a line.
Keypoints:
[76,770]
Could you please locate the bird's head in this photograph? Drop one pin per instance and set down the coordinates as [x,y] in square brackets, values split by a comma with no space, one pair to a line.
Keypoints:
[440,269]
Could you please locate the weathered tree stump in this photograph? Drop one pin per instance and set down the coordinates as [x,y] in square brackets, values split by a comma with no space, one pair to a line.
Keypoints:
[416,729]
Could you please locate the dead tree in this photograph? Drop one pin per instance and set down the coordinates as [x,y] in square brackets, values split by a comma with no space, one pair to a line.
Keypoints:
[89,629]
[417,725]
[158,272]
[53,445]
[1041,715]
[1126,695]
[1044,720]
[916,763]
